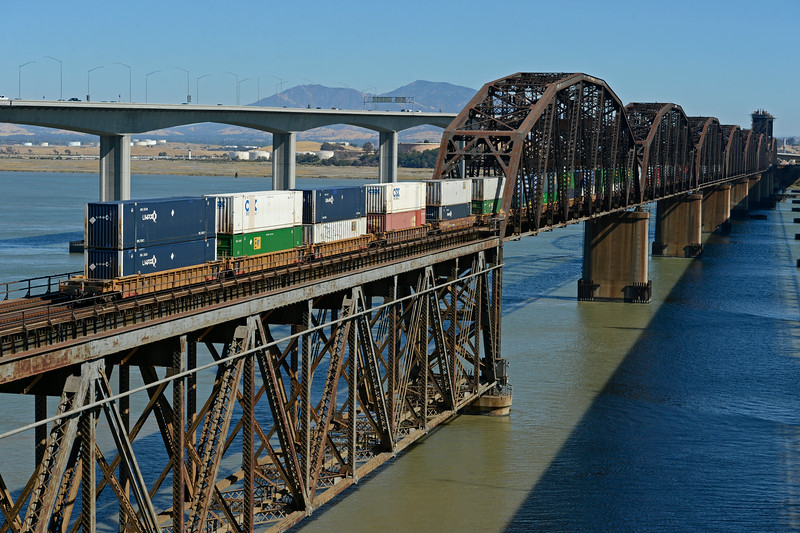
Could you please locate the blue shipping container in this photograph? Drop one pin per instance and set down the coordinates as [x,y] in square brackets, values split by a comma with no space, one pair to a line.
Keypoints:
[330,205]
[127,224]
[109,264]
[447,212]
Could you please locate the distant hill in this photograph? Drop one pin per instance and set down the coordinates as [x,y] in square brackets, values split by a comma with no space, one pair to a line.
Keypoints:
[428,96]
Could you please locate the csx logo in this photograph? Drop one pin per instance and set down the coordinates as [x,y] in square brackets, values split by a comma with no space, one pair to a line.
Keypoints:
[396,193]
[247,205]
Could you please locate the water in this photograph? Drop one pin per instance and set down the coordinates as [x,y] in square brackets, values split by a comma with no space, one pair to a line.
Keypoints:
[680,415]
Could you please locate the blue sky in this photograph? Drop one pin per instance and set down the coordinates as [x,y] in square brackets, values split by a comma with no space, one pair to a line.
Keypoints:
[718,58]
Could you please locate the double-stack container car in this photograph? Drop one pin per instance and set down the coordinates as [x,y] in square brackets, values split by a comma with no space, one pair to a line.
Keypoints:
[448,199]
[487,195]
[334,214]
[395,206]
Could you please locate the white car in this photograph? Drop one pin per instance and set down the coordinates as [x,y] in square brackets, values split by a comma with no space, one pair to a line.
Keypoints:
[3,97]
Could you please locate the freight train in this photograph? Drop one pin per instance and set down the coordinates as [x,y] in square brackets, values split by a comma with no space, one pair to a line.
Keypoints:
[139,247]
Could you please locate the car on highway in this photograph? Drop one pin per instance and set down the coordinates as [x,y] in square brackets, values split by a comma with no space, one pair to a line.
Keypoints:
[3,97]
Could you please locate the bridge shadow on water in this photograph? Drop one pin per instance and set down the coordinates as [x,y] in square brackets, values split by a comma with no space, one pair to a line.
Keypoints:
[698,428]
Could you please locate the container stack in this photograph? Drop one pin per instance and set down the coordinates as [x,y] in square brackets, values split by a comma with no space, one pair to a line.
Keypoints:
[129,237]
[448,199]
[253,223]
[487,195]
[395,206]
[334,214]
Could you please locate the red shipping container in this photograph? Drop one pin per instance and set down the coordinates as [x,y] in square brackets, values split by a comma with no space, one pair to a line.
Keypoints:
[380,222]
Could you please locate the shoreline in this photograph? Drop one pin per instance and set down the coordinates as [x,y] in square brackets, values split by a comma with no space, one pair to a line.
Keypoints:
[243,169]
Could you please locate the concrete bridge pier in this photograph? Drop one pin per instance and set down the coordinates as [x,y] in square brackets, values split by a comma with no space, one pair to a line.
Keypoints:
[716,209]
[115,167]
[679,223]
[615,258]
[387,156]
[766,187]
[284,150]
[739,204]
[754,191]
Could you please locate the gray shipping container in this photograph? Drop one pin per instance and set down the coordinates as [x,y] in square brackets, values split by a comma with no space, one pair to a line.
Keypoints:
[488,188]
[132,224]
[448,192]
[447,212]
[329,205]
[110,264]
[334,231]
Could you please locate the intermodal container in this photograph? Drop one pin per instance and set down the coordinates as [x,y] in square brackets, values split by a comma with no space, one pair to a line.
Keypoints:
[259,242]
[246,212]
[395,197]
[448,192]
[380,222]
[448,212]
[126,224]
[109,264]
[486,207]
[330,205]
[488,188]
[334,231]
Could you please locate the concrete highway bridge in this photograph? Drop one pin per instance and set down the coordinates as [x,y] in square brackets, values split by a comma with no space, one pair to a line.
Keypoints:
[311,375]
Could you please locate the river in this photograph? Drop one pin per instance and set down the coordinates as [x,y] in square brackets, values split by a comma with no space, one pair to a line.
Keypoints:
[679,415]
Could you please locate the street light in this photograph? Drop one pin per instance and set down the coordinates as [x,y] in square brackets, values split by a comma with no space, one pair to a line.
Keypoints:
[19,79]
[146,81]
[129,78]
[281,80]
[188,94]
[89,82]
[60,77]
[197,88]
[237,85]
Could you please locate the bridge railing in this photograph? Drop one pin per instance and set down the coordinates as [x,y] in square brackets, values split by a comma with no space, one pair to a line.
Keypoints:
[31,287]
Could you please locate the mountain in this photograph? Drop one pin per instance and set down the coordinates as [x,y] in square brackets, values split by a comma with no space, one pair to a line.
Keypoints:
[427,96]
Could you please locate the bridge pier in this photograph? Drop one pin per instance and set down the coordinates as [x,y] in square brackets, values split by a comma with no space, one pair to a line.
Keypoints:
[739,204]
[115,167]
[284,150]
[679,226]
[387,156]
[754,191]
[766,188]
[716,209]
[615,258]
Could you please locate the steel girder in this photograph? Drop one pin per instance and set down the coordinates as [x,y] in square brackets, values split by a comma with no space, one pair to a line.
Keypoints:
[666,151]
[734,150]
[707,137]
[561,140]
[354,377]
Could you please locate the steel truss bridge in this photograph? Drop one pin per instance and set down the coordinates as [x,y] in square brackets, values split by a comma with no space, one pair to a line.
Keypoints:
[266,394]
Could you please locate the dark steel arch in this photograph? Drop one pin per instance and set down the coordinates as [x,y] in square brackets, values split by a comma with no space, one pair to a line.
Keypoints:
[665,151]
[762,152]
[562,141]
[707,138]
[750,151]
[733,155]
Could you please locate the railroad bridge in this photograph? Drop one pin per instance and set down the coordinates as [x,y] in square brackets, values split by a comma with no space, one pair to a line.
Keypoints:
[273,390]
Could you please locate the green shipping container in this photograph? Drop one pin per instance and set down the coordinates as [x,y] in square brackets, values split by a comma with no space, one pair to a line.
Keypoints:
[486,207]
[259,242]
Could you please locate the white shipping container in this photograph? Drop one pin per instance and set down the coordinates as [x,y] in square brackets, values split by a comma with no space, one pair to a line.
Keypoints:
[334,231]
[488,188]
[449,192]
[245,212]
[395,197]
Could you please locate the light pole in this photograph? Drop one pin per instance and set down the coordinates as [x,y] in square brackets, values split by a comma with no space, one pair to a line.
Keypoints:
[60,77]
[146,82]
[281,80]
[238,90]
[197,88]
[19,79]
[188,94]
[237,85]
[129,78]
[89,82]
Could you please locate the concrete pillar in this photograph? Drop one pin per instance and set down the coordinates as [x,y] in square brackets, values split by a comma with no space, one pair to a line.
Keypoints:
[679,223]
[716,210]
[754,191]
[115,167]
[387,156]
[615,258]
[739,204]
[284,150]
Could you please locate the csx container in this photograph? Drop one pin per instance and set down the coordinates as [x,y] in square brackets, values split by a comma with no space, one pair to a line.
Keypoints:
[329,205]
[448,212]
[395,197]
[109,264]
[125,224]
[334,231]
[380,222]
[246,212]
[487,195]
[448,192]
[259,242]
